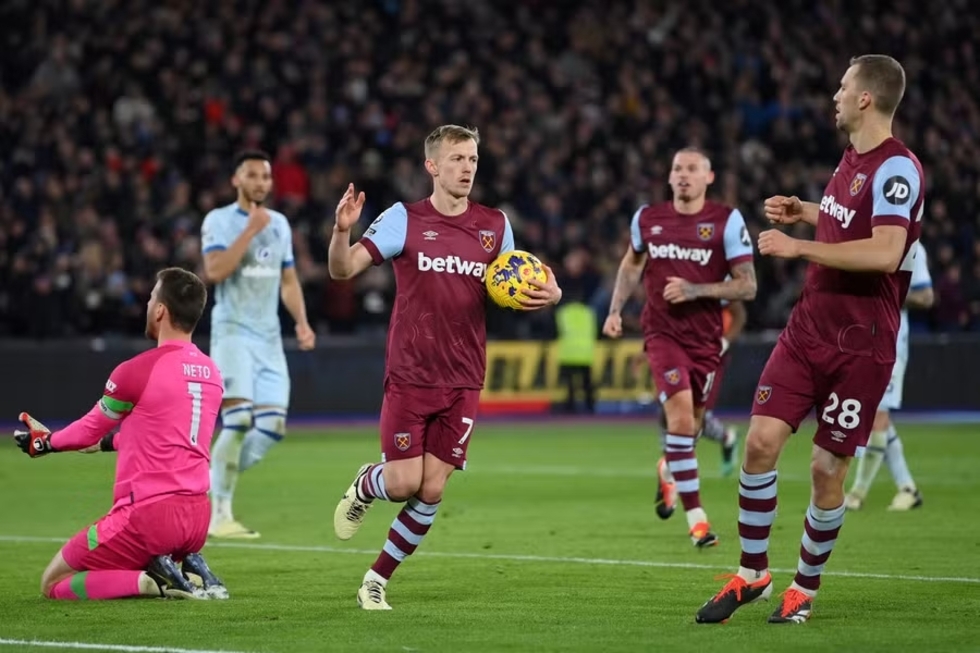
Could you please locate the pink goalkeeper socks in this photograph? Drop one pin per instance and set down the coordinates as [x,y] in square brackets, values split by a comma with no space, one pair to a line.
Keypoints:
[97,585]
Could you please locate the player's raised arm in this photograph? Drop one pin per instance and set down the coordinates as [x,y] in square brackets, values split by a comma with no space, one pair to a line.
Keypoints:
[222,255]
[384,239]
[627,278]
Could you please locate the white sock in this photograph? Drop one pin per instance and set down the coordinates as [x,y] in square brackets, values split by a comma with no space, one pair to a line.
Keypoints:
[225,455]
[375,576]
[696,516]
[752,575]
[810,593]
[224,473]
[895,458]
[869,463]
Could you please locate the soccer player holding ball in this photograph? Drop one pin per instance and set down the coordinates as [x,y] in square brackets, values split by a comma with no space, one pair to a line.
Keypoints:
[440,248]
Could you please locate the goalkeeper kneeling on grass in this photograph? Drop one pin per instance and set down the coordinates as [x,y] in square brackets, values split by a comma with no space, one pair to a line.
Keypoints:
[165,404]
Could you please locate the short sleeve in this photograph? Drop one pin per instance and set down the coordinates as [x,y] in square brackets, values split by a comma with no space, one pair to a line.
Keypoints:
[507,244]
[122,389]
[288,260]
[738,244]
[895,190]
[636,237]
[385,238]
[214,238]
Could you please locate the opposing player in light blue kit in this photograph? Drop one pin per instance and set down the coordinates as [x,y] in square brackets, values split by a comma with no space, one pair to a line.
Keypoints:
[248,255]
[885,442]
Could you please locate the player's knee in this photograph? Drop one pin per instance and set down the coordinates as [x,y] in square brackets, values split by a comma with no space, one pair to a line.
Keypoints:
[681,423]
[48,581]
[237,417]
[761,450]
[402,481]
[431,490]
[271,422]
[269,427]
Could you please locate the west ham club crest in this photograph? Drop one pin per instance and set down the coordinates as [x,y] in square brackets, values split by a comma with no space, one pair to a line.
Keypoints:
[858,183]
[488,239]
[763,393]
[403,441]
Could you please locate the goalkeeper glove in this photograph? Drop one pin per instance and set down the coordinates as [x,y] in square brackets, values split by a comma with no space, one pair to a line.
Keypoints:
[36,440]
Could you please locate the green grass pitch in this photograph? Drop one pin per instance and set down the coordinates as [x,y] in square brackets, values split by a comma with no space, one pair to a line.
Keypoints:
[548,542]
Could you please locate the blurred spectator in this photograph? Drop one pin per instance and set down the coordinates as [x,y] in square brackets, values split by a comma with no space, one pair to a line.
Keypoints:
[118,122]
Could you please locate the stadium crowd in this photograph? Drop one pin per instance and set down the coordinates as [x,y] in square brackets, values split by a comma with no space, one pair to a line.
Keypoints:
[119,120]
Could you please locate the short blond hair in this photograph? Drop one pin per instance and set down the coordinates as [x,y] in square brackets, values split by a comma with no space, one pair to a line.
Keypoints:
[883,77]
[450,134]
[694,149]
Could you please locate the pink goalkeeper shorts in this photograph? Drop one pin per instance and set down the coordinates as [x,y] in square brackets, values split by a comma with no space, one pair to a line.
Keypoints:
[131,536]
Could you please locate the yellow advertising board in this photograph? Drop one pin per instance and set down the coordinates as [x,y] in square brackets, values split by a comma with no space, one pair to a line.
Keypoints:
[526,372]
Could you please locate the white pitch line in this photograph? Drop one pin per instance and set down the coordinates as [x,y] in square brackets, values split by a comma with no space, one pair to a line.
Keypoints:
[299,548]
[104,647]
[633,472]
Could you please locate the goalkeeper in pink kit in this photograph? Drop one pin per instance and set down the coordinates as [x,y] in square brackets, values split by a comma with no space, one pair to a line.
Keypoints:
[165,402]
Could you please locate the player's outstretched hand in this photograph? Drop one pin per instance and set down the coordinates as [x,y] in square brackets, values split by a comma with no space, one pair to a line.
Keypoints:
[540,294]
[306,336]
[349,208]
[780,209]
[613,328]
[776,243]
[258,218]
[679,290]
[35,441]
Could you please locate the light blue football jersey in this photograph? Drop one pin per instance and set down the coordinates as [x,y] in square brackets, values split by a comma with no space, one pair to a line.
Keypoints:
[247,302]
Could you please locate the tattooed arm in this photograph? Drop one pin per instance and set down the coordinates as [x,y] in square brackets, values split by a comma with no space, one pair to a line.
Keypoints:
[741,287]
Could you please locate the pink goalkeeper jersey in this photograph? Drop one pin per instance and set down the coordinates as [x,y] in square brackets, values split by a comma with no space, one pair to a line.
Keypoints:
[167,401]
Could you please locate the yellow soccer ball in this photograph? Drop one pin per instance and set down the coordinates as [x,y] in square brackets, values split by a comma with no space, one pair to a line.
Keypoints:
[507,277]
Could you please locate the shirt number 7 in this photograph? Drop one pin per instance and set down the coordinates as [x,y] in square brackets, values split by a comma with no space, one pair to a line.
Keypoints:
[469,429]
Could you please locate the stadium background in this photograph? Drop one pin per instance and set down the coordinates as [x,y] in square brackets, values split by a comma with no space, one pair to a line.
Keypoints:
[118,122]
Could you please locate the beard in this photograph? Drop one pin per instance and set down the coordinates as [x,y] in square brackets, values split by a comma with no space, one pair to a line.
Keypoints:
[258,197]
